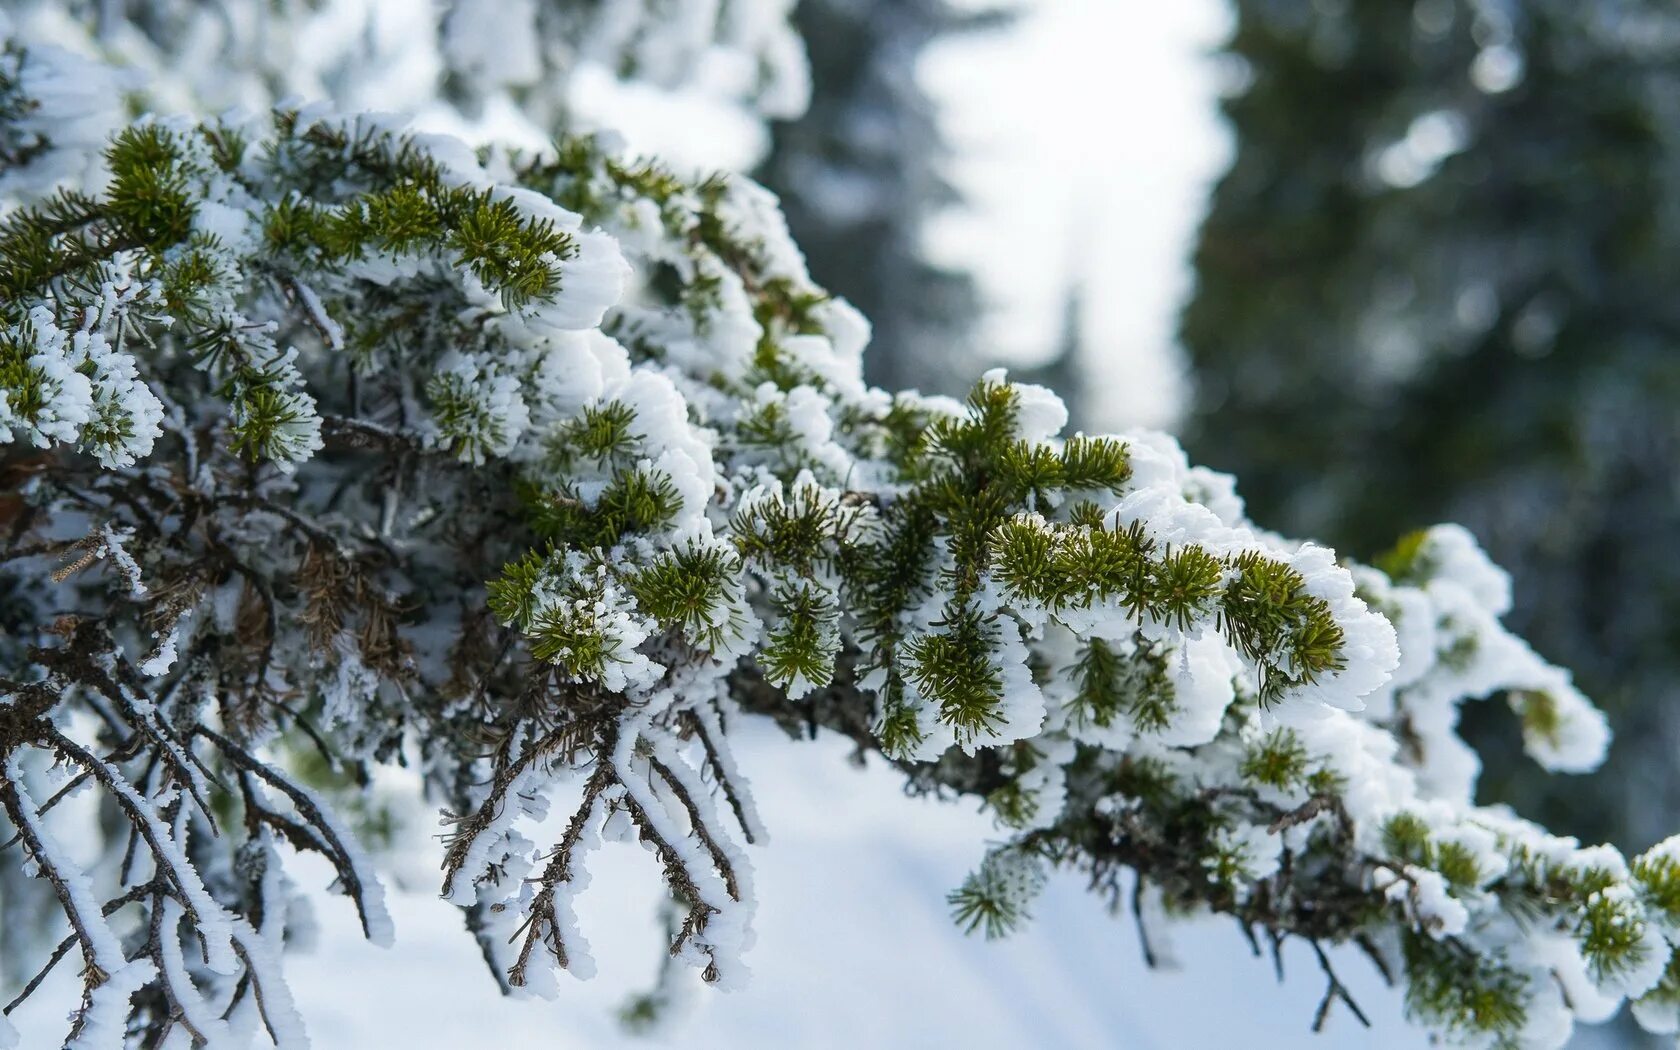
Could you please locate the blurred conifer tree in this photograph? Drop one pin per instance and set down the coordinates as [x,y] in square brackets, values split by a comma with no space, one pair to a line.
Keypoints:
[1439,283]
[862,173]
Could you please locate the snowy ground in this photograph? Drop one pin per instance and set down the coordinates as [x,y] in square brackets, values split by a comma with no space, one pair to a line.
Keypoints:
[855,949]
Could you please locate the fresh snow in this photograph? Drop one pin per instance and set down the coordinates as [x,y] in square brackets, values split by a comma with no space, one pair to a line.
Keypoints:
[854,947]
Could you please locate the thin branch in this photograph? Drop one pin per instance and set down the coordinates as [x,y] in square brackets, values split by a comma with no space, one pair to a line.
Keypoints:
[1334,990]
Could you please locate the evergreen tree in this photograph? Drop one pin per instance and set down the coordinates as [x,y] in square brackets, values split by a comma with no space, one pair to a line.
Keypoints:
[1437,283]
[861,174]
[331,446]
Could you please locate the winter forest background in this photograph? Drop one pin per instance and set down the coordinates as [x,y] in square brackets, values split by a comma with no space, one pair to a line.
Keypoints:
[1388,263]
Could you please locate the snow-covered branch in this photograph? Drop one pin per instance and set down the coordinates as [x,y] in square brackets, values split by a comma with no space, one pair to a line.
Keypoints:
[542,471]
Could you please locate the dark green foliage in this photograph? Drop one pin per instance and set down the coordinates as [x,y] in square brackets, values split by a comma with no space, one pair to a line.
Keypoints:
[689,587]
[1184,585]
[1094,463]
[1483,331]
[1110,683]
[954,667]
[637,499]
[976,911]
[1099,697]
[994,898]
[1407,840]
[1264,610]
[510,595]
[1013,805]
[261,416]
[929,574]
[802,532]
[148,198]
[1459,992]
[146,206]
[22,381]
[1278,760]
[1659,878]
[572,640]
[1612,937]
[508,252]
[801,645]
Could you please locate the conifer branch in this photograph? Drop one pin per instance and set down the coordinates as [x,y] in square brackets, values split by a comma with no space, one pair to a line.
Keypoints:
[540,472]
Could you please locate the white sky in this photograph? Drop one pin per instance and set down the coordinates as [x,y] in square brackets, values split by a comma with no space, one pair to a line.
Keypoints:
[1087,137]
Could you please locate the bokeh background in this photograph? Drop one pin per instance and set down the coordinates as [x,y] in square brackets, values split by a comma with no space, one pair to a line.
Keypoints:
[1390,262]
